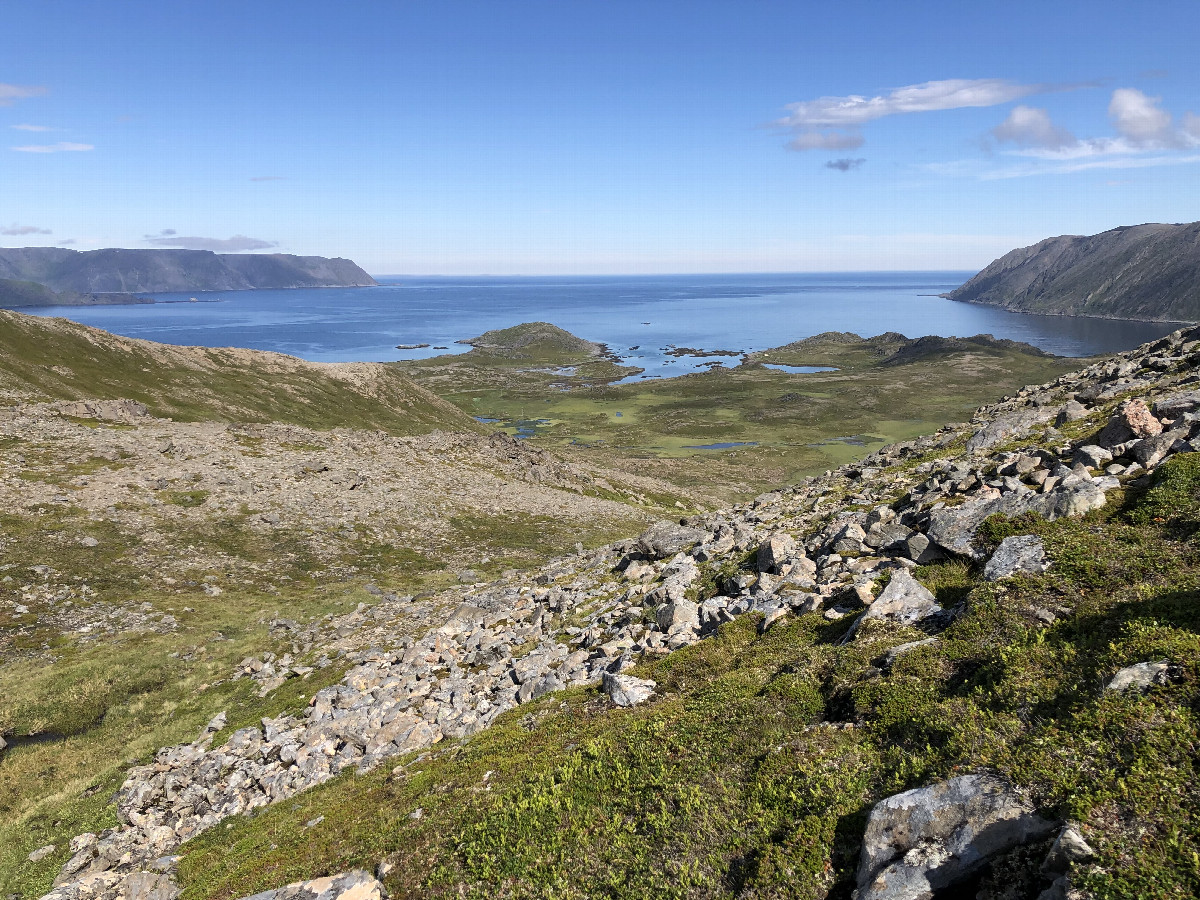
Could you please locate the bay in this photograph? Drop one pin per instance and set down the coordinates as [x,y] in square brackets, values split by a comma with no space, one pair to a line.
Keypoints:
[639,317]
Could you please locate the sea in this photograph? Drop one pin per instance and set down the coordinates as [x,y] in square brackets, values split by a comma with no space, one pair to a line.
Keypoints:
[644,320]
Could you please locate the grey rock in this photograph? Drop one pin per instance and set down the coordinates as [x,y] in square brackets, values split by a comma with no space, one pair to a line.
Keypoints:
[678,613]
[354,885]
[1069,849]
[1141,676]
[886,536]
[774,551]
[1151,451]
[1006,427]
[1020,554]
[41,853]
[921,550]
[1071,411]
[1093,456]
[1176,405]
[929,839]
[954,528]
[150,886]
[663,539]
[905,600]
[625,690]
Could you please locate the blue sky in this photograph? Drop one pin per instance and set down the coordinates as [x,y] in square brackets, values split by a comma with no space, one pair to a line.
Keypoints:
[596,137]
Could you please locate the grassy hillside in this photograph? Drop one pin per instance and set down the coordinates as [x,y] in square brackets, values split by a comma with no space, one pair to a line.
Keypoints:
[54,359]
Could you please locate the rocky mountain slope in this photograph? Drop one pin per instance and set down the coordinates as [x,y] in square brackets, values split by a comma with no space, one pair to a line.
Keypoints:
[119,271]
[966,665]
[1147,272]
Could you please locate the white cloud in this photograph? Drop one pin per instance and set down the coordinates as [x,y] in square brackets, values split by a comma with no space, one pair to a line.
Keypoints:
[16,229]
[235,244]
[1191,126]
[11,93]
[33,128]
[1139,119]
[60,147]
[826,140]
[1028,126]
[952,93]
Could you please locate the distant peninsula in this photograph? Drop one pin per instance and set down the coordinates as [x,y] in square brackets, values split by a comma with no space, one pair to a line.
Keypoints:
[1147,272]
[53,276]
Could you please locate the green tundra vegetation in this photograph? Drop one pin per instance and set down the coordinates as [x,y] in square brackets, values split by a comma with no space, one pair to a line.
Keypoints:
[541,381]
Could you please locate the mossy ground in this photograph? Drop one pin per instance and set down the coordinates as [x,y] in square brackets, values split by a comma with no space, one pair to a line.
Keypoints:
[752,774]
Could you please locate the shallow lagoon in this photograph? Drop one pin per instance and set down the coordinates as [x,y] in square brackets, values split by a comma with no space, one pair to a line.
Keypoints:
[639,317]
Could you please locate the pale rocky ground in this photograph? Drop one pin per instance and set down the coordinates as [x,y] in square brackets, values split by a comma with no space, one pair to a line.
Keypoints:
[160,481]
[821,546]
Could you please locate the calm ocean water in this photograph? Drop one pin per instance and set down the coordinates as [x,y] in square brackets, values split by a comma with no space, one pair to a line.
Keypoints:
[639,317]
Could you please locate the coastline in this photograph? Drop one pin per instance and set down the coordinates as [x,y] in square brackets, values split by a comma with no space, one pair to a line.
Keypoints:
[1066,315]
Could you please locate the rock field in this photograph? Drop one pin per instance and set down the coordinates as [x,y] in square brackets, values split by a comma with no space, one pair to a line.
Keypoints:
[842,544]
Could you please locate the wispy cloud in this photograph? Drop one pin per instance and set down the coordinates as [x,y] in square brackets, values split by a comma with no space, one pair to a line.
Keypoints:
[988,172]
[16,229]
[68,242]
[236,244]
[833,122]
[844,165]
[60,147]
[33,128]
[268,178]
[11,93]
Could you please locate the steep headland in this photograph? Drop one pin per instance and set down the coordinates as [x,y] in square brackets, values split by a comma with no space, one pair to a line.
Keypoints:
[1149,272]
[118,271]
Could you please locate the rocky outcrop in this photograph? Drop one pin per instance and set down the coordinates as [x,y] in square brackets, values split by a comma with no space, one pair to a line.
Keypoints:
[1139,272]
[931,839]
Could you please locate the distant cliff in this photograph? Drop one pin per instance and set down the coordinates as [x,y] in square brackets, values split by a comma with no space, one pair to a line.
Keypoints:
[1136,272]
[72,272]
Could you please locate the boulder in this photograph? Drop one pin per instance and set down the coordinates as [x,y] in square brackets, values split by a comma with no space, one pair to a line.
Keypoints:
[1176,405]
[954,528]
[663,539]
[1133,419]
[774,551]
[1070,412]
[1020,554]
[883,537]
[625,690]
[1150,452]
[1140,677]
[354,885]
[678,613]
[905,600]
[920,549]
[927,840]
[1093,456]
[1003,428]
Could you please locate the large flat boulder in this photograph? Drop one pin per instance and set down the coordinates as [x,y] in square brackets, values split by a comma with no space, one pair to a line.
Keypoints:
[927,840]
[954,528]
[352,885]
[663,539]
